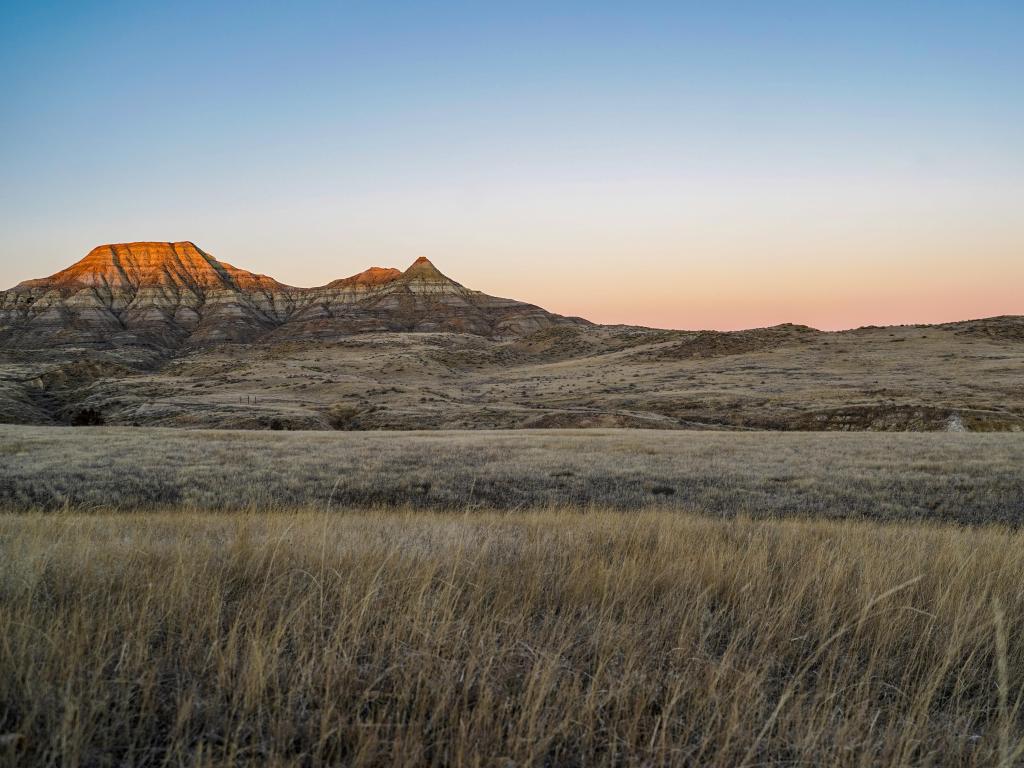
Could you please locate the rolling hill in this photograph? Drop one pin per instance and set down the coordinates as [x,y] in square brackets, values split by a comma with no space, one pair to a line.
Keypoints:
[165,334]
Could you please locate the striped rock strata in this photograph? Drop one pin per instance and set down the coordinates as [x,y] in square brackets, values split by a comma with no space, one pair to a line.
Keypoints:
[167,296]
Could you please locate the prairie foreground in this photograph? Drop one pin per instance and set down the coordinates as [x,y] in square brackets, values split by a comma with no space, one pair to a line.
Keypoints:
[553,637]
[966,478]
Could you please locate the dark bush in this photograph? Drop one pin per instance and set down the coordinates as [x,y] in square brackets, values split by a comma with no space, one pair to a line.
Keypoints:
[87,417]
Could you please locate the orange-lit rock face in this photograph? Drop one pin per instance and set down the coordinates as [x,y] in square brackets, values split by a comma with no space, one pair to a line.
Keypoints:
[167,295]
[139,265]
[370,277]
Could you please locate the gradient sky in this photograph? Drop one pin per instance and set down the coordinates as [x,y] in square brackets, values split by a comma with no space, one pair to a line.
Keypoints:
[688,165]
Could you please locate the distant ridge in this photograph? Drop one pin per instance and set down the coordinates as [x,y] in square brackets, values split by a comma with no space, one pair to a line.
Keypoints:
[165,295]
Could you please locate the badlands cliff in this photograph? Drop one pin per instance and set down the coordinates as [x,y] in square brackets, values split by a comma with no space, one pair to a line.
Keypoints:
[171,295]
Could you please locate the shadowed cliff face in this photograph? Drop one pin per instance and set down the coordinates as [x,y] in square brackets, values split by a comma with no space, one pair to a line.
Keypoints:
[165,296]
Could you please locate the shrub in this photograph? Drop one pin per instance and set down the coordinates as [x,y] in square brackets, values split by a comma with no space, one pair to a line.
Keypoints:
[87,417]
[342,416]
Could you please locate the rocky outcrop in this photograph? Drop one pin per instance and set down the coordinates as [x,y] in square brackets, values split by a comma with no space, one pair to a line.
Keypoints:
[160,295]
[368,279]
[171,295]
[421,299]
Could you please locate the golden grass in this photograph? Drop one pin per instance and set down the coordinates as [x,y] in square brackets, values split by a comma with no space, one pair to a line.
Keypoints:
[541,638]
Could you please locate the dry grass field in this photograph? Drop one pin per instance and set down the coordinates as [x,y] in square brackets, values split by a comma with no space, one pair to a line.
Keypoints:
[497,639]
[534,597]
[966,478]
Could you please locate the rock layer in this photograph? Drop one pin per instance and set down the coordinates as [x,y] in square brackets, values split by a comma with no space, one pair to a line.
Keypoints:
[165,296]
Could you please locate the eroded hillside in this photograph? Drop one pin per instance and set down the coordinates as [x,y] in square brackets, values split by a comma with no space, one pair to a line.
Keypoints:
[164,334]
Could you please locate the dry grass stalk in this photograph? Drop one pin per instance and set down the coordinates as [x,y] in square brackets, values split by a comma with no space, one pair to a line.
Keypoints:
[549,637]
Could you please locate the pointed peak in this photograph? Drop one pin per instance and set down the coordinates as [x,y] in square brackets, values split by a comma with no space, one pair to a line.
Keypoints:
[423,269]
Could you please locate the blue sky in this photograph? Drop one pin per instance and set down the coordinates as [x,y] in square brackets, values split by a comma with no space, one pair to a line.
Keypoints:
[830,163]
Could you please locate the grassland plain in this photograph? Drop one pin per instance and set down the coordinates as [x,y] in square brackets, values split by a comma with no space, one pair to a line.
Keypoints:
[554,637]
[965,478]
[535,597]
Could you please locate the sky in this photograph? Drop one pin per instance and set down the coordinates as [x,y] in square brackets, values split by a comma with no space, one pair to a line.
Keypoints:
[683,165]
